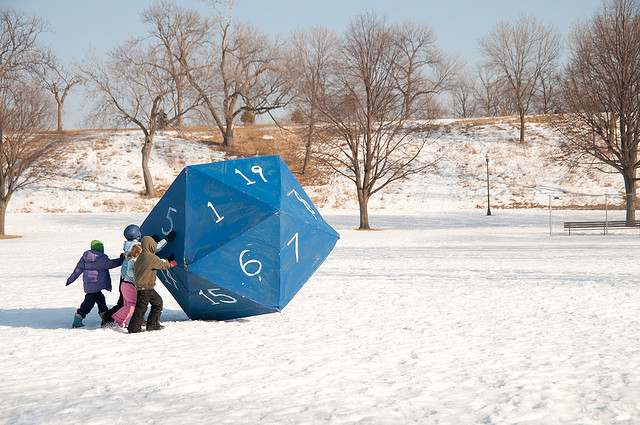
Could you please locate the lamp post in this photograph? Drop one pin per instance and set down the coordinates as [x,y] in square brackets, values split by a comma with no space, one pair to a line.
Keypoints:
[488,197]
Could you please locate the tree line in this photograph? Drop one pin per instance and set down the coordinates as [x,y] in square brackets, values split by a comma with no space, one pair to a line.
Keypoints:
[364,97]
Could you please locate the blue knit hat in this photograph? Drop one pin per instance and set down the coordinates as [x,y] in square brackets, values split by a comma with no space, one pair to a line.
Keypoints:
[96,245]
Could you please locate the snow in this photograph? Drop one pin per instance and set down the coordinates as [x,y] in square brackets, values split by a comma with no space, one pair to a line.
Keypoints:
[443,315]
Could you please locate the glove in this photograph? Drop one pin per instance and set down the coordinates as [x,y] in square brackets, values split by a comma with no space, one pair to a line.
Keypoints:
[173,263]
[122,256]
[155,238]
[171,236]
[171,257]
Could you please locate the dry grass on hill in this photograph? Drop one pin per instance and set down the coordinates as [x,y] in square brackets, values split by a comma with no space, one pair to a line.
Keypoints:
[264,139]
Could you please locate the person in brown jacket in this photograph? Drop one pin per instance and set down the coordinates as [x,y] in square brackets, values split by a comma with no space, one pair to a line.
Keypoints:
[144,273]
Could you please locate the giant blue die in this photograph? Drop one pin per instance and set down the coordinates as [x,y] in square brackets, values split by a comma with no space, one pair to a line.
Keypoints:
[247,237]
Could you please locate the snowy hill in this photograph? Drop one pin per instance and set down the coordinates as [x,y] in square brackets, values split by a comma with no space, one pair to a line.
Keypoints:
[101,172]
[443,316]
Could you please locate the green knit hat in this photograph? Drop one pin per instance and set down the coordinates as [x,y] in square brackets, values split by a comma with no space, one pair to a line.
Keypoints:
[97,246]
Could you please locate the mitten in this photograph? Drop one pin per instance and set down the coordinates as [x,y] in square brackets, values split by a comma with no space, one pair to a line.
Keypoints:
[171,236]
[173,263]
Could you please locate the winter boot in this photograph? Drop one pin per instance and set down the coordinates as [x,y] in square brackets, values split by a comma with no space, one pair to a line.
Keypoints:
[157,327]
[77,321]
[105,320]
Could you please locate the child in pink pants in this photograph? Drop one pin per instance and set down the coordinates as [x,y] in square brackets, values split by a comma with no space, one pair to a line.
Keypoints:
[129,292]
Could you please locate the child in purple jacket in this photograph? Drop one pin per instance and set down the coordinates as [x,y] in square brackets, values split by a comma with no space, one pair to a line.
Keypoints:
[94,267]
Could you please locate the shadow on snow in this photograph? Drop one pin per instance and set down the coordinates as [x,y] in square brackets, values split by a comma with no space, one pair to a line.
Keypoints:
[61,318]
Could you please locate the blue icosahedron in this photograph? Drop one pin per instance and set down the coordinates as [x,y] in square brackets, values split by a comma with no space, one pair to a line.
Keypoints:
[247,237]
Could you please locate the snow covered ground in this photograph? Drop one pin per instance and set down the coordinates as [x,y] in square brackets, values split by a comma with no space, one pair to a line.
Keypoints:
[437,318]
[442,315]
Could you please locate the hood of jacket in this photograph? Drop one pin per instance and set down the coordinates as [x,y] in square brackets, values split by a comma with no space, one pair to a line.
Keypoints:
[148,244]
[91,256]
[144,269]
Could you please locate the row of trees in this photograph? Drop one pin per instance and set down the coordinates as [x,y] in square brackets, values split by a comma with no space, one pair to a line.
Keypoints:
[365,94]
[362,87]
[596,96]
[207,69]
[519,72]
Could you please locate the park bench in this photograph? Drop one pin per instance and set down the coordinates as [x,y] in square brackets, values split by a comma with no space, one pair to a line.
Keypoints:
[605,225]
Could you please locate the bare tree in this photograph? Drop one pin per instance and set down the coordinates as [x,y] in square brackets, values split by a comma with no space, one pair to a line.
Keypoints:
[463,96]
[177,31]
[521,53]
[488,90]
[313,55]
[602,94]
[238,68]
[548,93]
[368,138]
[423,70]
[58,80]
[25,147]
[132,87]
[21,53]
[19,47]
[24,111]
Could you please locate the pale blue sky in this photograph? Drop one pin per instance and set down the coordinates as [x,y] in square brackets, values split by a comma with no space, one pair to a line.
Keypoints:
[79,25]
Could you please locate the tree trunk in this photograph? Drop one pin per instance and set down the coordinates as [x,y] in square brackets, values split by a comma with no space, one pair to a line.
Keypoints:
[522,127]
[228,135]
[407,106]
[307,154]
[3,211]
[363,200]
[180,112]
[60,105]
[630,197]
[146,153]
